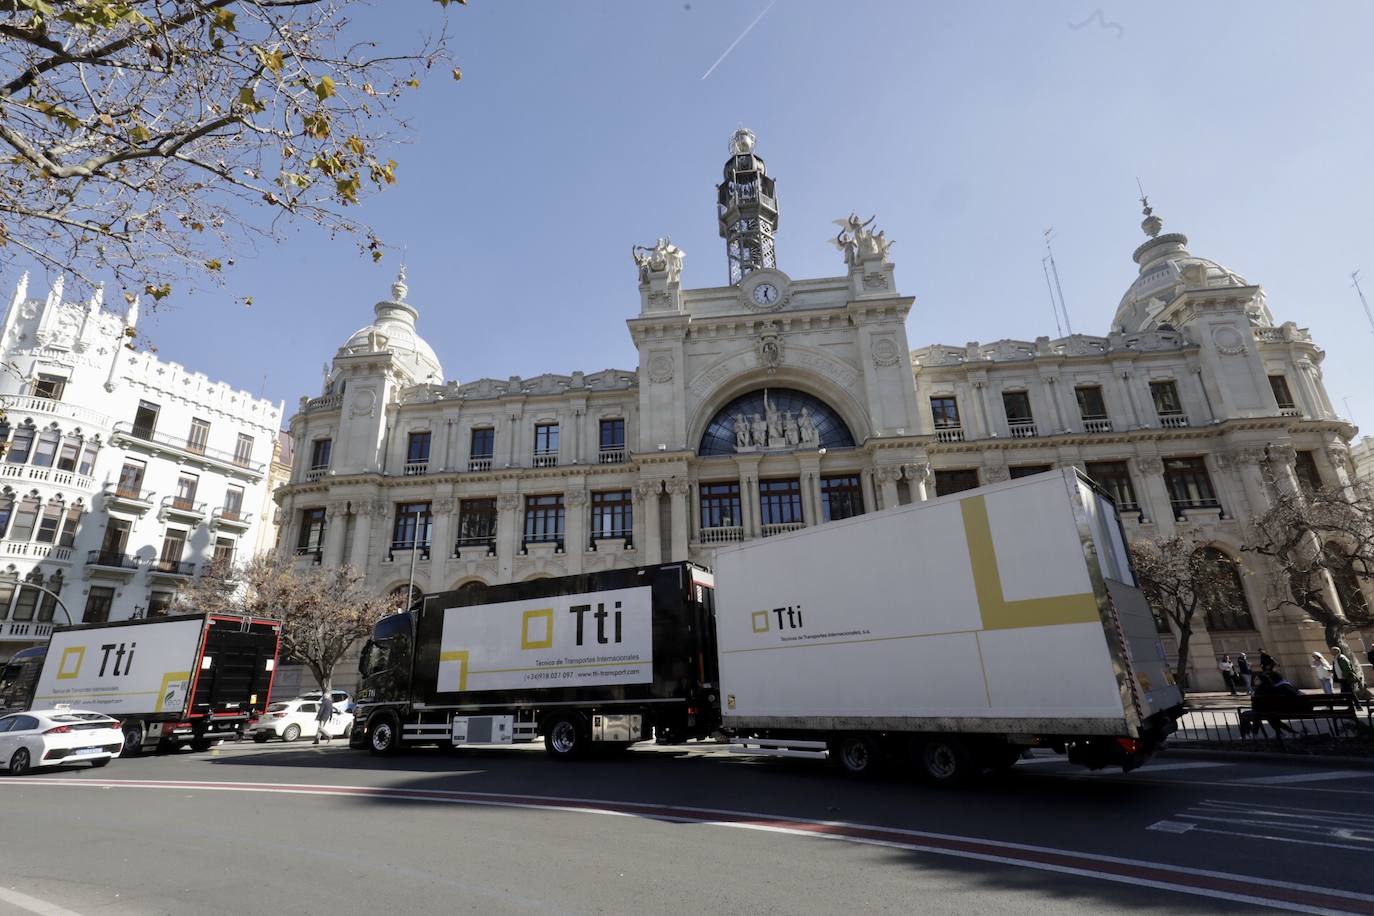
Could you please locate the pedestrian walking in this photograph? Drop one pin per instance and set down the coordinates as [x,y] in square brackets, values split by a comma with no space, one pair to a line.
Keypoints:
[1227,673]
[322,717]
[1243,673]
[1267,662]
[1323,670]
[1345,674]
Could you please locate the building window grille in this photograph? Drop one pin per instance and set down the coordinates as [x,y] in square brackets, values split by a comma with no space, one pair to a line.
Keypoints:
[50,387]
[955,481]
[417,453]
[544,519]
[1190,487]
[413,526]
[1115,478]
[612,514]
[477,523]
[198,436]
[842,496]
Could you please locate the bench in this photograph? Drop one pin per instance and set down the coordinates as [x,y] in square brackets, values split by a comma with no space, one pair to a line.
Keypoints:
[1339,710]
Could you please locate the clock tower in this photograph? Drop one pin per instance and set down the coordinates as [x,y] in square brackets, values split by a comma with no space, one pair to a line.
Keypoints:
[748,209]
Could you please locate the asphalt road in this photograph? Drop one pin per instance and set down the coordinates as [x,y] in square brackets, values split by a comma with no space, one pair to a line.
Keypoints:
[265,829]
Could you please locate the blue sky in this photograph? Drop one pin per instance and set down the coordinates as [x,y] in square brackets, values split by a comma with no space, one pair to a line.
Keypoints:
[582,129]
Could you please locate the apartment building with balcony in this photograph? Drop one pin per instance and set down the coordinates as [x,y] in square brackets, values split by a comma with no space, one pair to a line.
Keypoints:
[774,403]
[123,475]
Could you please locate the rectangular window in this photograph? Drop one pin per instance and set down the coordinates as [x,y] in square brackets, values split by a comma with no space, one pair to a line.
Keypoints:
[1165,396]
[612,514]
[945,411]
[417,453]
[720,505]
[115,540]
[20,445]
[1282,396]
[47,603]
[71,451]
[955,481]
[320,451]
[87,459]
[311,538]
[6,513]
[223,557]
[1308,476]
[1026,470]
[27,602]
[25,517]
[476,522]
[49,523]
[243,450]
[412,527]
[185,498]
[543,518]
[546,445]
[1017,405]
[49,386]
[145,419]
[131,479]
[612,434]
[159,603]
[1189,485]
[173,547]
[199,435]
[68,536]
[98,603]
[1115,478]
[45,452]
[1091,406]
[780,501]
[841,497]
[483,443]
[233,503]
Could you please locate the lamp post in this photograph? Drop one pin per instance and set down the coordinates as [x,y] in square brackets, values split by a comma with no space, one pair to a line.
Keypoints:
[15,581]
[414,555]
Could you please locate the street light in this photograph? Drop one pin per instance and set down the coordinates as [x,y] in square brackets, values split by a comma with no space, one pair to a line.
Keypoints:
[14,578]
[414,555]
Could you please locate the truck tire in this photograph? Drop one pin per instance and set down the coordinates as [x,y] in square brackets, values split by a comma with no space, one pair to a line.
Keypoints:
[201,745]
[133,740]
[857,755]
[566,737]
[384,733]
[942,760]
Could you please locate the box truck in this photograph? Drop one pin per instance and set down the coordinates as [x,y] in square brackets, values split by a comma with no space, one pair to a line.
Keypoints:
[602,658]
[190,679]
[955,632]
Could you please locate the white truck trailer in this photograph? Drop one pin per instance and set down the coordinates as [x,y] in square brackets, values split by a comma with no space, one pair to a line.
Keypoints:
[956,632]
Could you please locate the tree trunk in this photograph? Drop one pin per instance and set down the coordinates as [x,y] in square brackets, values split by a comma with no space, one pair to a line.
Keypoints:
[1181,668]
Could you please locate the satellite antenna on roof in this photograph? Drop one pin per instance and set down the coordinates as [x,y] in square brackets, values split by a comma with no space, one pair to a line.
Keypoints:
[1355,282]
[1047,264]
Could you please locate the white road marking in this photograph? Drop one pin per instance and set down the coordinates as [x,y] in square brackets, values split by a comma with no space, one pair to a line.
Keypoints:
[1305,827]
[1170,827]
[33,904]
[1318,776]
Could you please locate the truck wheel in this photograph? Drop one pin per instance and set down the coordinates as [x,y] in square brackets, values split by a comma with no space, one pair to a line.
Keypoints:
[133,740]
[859,755]
[942,760]
[259,737]
[565,738]
[384,734]
[291,733]
[201,745]
[20,763]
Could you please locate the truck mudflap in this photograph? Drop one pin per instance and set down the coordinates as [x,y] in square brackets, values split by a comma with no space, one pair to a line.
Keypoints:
[1098,752]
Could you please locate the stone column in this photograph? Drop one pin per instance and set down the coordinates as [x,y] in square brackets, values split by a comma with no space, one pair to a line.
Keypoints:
[579,415]
[1052,398]
[810,466]
[694,498]
[441,542]
[1154,495]
[678,489]
[1248,463]
[648,491]
[336,524]
[575,525]
[1127,392]
[980,401]
[507,534]
[887,477]
[362,530]
[919,474]
[1307,390]
[751,486]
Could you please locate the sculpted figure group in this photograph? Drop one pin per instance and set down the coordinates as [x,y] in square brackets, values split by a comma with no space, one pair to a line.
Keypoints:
[776,429]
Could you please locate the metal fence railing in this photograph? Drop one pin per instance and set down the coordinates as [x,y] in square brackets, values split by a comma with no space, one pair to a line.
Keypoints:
[1242,728]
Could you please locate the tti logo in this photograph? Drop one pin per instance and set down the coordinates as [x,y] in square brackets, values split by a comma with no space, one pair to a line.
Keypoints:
[788,618]
[122,655]
[600,614]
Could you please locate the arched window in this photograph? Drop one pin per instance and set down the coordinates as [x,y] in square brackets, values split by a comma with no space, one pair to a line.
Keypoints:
[24,518]
[45,452]
[70,452]
[472,588]
[417,597]
[774,418]
[27,601]
[21,444]
[68,536]
[6,510]
[1217,577]
[88,453]
[50,521]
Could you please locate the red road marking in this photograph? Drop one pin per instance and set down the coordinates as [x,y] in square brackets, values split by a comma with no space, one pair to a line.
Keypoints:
[1259,891]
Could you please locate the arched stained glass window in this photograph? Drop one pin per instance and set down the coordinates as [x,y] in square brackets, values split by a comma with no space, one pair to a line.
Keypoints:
[791,411]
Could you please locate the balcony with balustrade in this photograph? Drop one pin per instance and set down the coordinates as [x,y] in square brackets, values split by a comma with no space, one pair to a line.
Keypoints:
[51,475]
[110,563]
[782,528]
[180,509]
[126,498]
[151,442]
[949,434]
[178,570]
[1173,420]
[11,548]
[416,468]
[477,546]
[1022,429]
[546,458]
[723,534]
[25,629]
[479,463]
[1097,424]
[231,520]
[613,456]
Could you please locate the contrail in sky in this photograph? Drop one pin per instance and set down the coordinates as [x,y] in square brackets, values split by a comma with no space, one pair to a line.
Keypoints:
[746,31]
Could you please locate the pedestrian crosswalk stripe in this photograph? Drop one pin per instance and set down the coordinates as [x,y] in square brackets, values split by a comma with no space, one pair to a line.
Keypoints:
[1314,776]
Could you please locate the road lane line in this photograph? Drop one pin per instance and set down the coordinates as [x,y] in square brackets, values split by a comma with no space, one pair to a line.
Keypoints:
[33,904]
[1179,879]
[1147,770]
[1304,777]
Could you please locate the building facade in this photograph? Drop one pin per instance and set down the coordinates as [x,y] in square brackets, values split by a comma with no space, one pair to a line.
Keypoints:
[776,402]
[123,475]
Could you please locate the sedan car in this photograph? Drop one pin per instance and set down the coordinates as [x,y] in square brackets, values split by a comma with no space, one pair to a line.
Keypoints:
[343,700]
[295,719]
[49,737]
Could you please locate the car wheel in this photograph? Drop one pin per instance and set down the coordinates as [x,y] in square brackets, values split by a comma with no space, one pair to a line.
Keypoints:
[565,738]
[259,737]
[20,763]
[133,740]
[858,755]
[943,760]
[384,733]
[291,733]
[100,762]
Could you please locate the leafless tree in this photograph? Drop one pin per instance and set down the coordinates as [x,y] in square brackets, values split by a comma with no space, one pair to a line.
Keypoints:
[152,139]
[324,609]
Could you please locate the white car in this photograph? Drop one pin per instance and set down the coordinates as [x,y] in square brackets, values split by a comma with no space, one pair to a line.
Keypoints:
[294,719]
[50,737]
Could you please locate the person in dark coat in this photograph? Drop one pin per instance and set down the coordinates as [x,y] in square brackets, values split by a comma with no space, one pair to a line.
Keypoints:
[1267,662]
[1273,698]
[322,717]
[1244,674]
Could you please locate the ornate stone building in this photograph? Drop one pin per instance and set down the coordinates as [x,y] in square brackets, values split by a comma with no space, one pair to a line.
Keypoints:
[777,402]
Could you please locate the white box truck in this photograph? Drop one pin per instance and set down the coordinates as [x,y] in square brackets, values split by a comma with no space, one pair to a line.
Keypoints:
[191,679]
[957,632]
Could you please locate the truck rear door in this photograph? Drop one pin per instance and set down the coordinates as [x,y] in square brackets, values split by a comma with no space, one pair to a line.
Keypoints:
[236,668]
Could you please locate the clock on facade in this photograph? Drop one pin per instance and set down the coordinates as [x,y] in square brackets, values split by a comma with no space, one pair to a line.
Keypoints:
[765,294]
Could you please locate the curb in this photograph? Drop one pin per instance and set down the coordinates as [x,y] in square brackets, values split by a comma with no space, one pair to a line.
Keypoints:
[1306,760]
